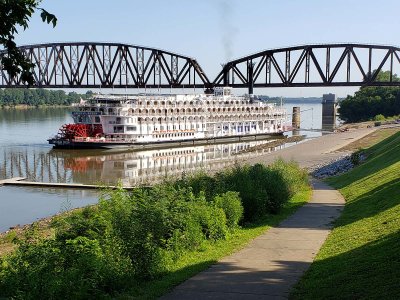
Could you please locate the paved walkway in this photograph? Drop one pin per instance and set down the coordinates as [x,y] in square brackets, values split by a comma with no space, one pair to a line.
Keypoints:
[273,262]
[315,151]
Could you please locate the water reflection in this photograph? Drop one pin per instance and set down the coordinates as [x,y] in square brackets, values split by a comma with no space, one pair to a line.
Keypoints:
[23,205]
[24,152]
[110,166]
[32,114]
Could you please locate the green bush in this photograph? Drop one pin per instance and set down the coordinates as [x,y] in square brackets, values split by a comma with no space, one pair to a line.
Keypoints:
[139,235]
[262,189]
[232,206]
[294,178]
[52,269]
[379,117]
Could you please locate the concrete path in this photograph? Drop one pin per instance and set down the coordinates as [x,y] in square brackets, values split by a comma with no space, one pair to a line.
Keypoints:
[315,151]
[273,262]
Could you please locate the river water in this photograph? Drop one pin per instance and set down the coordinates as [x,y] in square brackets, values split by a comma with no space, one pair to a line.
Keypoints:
[24,152]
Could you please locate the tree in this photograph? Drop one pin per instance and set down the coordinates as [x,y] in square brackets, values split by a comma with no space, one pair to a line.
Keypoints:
[371,101]
[14,13]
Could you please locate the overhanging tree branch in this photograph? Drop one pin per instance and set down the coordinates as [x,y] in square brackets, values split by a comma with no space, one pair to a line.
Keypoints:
[14,14]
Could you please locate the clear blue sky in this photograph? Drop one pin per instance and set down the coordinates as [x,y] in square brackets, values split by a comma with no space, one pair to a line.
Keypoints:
[214,31]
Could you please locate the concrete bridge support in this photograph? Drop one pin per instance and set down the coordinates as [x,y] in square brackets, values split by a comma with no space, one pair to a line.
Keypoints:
[296,117]
[328,111]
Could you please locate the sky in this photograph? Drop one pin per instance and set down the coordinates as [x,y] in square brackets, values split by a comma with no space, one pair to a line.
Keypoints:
[216,31]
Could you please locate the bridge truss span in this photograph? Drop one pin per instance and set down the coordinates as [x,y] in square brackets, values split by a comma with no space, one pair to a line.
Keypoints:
[115,65]
[313,65]
[107,65]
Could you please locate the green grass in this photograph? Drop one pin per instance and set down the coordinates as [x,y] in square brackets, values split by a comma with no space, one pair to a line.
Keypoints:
[361,257]
[194,263]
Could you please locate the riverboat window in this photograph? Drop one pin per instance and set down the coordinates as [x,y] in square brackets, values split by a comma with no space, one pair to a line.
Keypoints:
[118,129]
[118,164]
[97,119]
[131,128]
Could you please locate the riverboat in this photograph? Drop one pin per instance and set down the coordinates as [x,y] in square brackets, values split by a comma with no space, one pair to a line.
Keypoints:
[151,121]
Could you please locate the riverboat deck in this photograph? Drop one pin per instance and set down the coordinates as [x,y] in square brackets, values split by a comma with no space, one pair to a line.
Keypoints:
[90,143]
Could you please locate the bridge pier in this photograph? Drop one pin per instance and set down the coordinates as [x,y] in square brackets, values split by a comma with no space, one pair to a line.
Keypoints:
[328,111]
[296,117]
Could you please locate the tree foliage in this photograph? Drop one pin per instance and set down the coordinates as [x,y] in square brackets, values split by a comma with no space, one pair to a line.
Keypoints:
[36,97]
[371,101]
[15,14]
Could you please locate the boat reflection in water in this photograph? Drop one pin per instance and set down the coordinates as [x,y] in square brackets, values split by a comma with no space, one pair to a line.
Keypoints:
[145,167]
[129,167]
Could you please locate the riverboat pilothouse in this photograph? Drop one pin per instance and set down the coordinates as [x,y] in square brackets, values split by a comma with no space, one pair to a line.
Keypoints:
[139,121]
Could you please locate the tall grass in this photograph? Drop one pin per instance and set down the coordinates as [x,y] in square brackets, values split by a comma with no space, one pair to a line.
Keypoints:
[133,237]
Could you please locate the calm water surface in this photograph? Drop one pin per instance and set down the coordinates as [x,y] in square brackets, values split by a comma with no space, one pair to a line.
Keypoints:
[24,152]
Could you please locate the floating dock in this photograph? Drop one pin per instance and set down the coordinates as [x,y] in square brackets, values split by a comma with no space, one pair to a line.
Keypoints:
[20,181]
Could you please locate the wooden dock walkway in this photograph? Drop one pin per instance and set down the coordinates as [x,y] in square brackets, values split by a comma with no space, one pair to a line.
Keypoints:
[20,181]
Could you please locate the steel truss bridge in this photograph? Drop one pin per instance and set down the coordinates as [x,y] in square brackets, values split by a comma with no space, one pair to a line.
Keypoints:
[114,65]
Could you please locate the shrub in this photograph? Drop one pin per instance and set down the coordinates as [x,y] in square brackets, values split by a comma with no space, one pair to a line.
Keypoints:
[379,117]
[232,206]
[261,189]
[293,176]
[139,235]
[211,218]
[52,269]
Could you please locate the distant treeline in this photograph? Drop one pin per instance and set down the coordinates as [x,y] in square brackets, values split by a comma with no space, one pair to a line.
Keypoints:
[291,99]
[269,99]
[37,97]
[372,102]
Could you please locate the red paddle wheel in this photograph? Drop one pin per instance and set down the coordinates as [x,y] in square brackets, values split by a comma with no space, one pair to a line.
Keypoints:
[82,164]
[72,131]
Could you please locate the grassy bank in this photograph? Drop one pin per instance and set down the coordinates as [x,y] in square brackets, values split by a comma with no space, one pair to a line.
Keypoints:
[360,259]
[144,242]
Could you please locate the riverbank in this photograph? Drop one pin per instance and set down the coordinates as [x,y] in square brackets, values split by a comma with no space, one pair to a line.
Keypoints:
[333,146]
[360,259]
[186,225]
[321,150]
[157,287]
